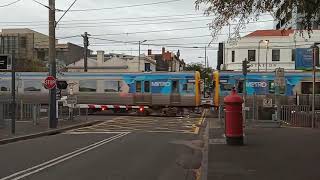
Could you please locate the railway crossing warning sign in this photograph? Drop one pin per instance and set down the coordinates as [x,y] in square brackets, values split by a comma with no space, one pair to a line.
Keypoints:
[50,82]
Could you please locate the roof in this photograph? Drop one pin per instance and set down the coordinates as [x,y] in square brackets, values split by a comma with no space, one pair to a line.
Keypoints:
[270,33]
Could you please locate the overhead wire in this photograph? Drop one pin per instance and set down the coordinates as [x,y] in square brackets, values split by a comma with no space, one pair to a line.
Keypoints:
[120,7]
[9,4]
[65,12]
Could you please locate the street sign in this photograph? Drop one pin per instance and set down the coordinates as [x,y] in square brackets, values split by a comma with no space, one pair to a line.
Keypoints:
[59,94]
[50,82]
[5,63]
[267,102]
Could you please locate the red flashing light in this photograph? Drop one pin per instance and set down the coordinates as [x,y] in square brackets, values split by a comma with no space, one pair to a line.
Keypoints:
[141,109]
[103,108]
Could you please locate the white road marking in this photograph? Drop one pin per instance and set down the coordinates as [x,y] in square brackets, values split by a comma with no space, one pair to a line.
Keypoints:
[96,132]
[47,164]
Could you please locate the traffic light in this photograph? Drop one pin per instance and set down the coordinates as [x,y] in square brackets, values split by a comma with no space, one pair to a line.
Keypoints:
[62,84]
[245,66]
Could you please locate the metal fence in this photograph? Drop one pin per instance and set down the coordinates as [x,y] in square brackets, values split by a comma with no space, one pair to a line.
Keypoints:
[35,112]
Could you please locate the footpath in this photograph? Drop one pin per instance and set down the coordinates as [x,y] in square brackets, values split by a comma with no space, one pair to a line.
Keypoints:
[27,129]
[268,154]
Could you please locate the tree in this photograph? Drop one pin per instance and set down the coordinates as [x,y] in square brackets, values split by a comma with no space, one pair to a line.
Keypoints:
[204,72]
[244,11]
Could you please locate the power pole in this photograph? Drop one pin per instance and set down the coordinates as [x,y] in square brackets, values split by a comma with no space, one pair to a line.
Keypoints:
[205,68]
[85,45]
[13,93]
[139,57]
[52,61]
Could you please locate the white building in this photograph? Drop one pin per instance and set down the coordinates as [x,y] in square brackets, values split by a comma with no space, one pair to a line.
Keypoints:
[267,49]
[114,63]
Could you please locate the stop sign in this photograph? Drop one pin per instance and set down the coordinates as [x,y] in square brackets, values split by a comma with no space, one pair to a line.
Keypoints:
[50,82]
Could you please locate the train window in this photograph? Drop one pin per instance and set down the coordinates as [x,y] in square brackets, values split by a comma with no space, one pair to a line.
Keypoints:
[175,86]
[88,86]
[240,87]
[111,86]
[32,85]
[188,87]
[226,87]
[306,88]
[138,86]
[147,86]
[5,85]
[271,87]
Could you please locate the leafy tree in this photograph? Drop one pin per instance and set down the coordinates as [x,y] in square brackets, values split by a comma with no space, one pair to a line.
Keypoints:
[204,72]
[243,11]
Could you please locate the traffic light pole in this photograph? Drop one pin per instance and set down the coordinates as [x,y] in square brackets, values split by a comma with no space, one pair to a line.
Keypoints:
[52,68]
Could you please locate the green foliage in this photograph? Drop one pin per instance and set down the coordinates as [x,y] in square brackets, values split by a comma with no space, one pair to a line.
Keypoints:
[204,72]
[243,11]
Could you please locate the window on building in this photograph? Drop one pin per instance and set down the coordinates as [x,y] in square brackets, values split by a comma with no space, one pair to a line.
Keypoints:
[275,54]
[23,42]
[32,85]
[111,86]
[87,86]
[233,53]
[146,86]
[147,67]
[5,85]
[175,86]
[138,86]
[252,55]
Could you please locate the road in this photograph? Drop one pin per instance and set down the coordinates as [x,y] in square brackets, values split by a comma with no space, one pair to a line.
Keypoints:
[123,148]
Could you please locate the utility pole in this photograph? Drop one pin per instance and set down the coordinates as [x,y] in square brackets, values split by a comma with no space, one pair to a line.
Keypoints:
[245,67]
[205,68]
[315,63]
[13,93]
[52,61]
[139,57]
[85,45]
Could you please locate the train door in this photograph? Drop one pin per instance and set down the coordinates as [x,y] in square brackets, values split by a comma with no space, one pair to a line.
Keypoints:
[143,93]
[175,98]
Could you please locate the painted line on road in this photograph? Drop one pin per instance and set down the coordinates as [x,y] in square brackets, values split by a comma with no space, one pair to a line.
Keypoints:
[96,132]
[47,164]
[201,120]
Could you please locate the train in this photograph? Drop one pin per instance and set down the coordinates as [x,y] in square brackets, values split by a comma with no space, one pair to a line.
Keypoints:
[157,90]
[262,83]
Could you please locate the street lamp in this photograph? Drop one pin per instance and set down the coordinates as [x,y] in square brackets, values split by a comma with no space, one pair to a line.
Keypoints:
[267,48]
[139,53]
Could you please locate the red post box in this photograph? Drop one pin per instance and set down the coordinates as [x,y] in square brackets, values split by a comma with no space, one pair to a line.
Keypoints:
[233,119]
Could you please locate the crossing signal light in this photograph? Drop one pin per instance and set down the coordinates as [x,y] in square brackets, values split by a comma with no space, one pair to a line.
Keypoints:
[245,66]
[62,84]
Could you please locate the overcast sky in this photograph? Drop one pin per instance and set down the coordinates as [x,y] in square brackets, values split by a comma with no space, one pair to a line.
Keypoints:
[28,13]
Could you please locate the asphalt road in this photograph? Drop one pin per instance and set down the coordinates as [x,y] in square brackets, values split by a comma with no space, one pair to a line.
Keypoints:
[110,150]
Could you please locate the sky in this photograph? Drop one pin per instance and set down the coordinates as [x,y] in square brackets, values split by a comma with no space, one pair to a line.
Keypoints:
[114,30]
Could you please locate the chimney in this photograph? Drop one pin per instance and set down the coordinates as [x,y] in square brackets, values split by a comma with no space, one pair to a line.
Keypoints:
[100,58]
[149,52]
[163,50]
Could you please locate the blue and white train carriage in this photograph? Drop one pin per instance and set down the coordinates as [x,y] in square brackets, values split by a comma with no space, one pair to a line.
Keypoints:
[156,90]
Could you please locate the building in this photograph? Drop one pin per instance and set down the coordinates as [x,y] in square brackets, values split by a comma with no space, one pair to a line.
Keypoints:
[66,53]
[167,61]
[30,49]
[270,49]
[114,63]
[293,18]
